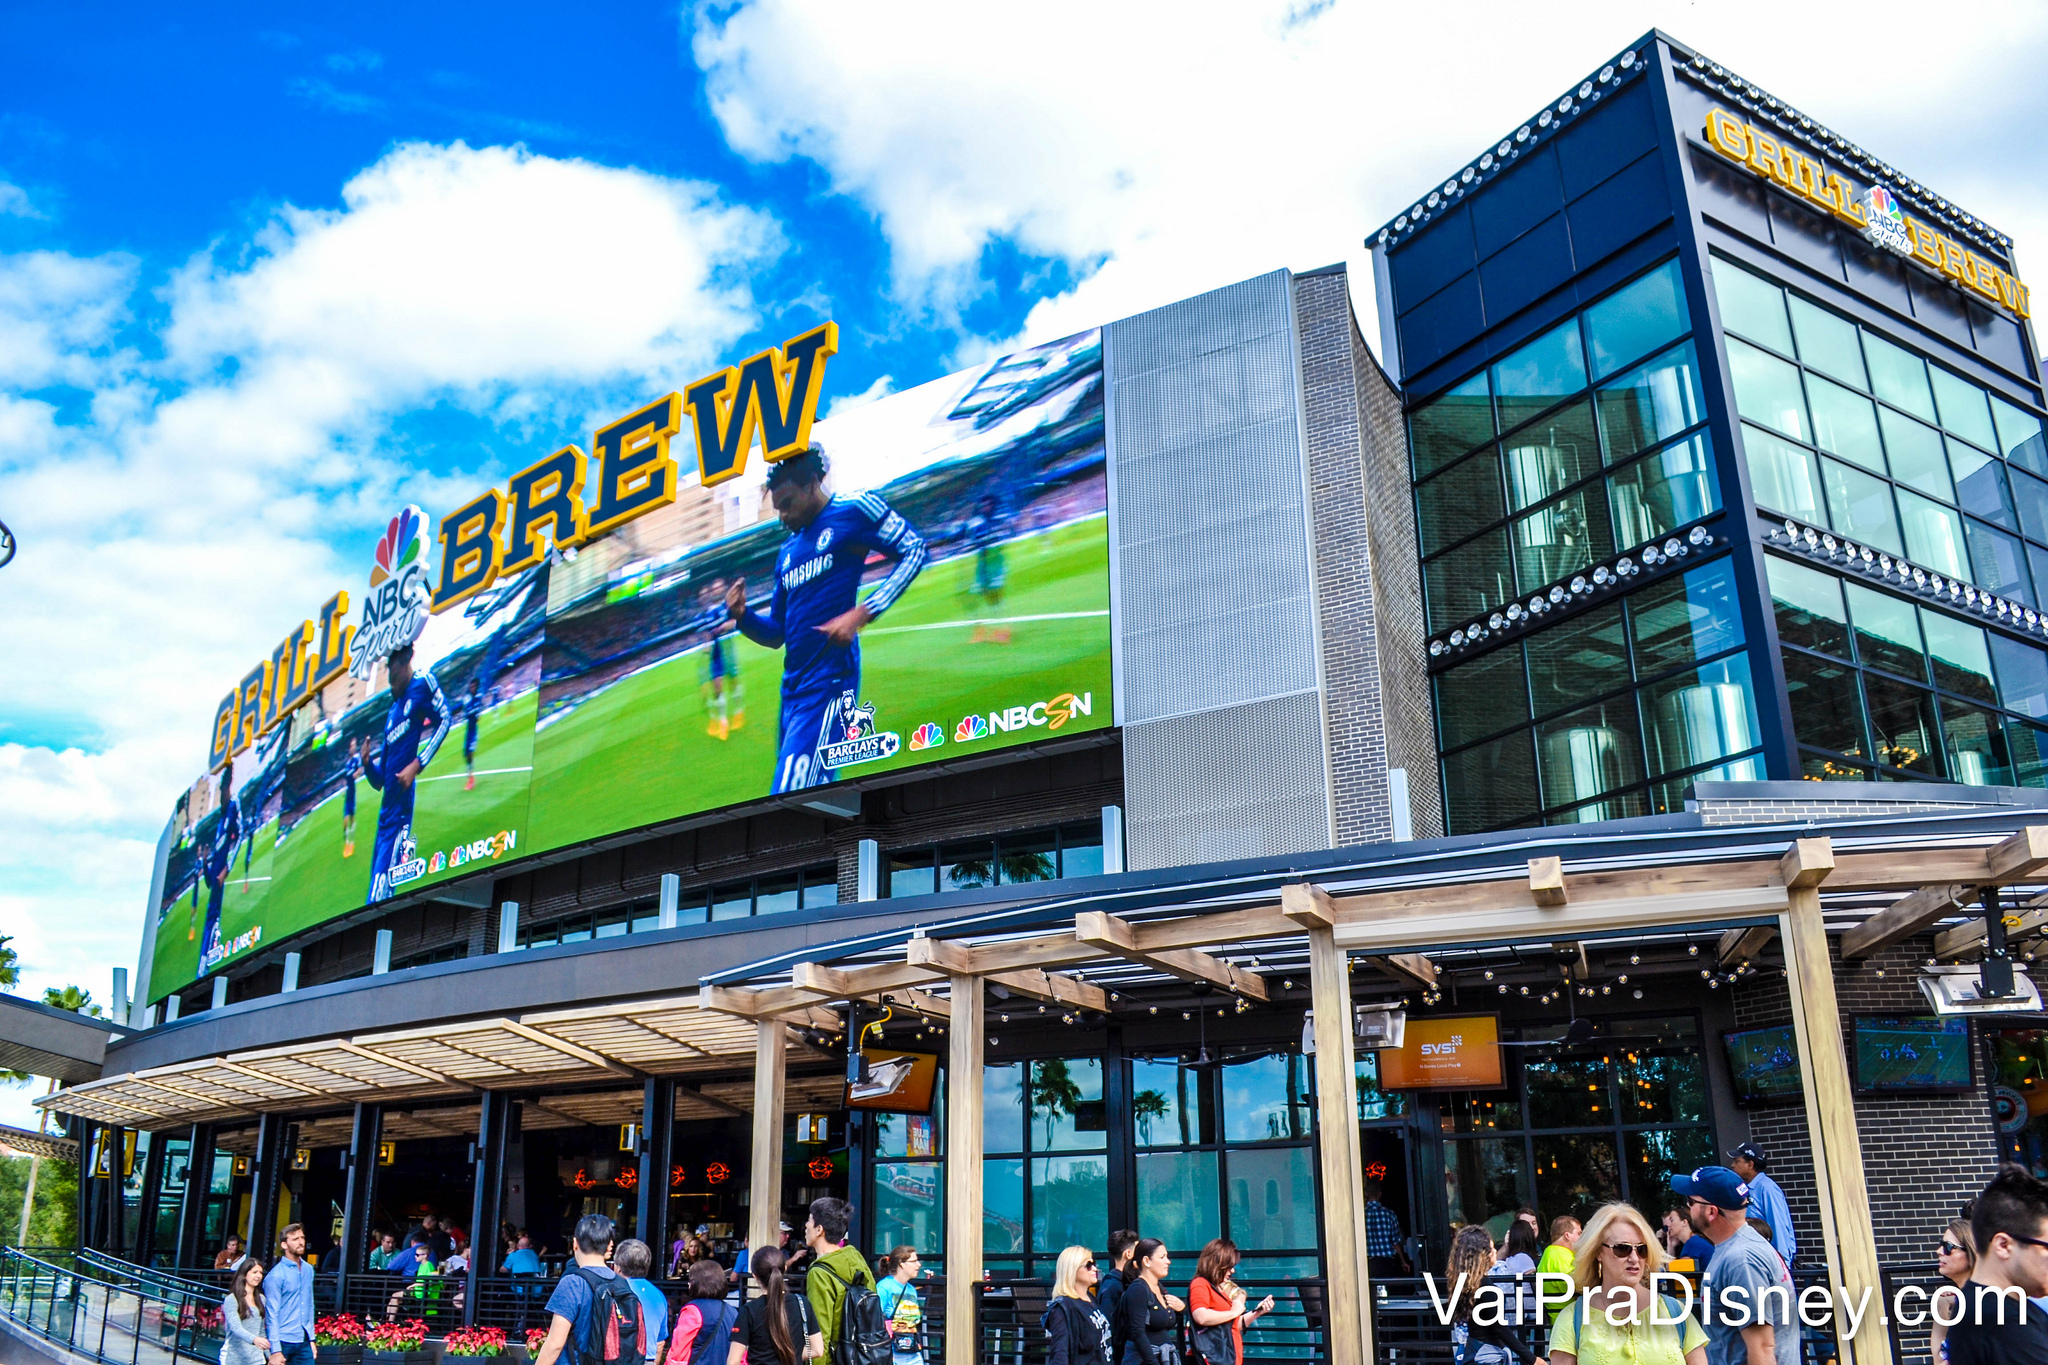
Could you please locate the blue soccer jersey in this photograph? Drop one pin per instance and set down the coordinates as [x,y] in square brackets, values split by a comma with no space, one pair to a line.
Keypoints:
[220,857]
[413,731]
[817,577]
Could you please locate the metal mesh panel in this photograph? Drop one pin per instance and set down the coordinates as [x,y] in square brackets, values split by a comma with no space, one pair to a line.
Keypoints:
[1240,782]
[1217,683]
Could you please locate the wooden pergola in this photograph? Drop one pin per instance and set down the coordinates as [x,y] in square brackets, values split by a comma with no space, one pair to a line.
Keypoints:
[1769,887]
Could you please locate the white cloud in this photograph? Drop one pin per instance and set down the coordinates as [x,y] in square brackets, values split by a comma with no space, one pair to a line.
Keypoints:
[1160,157]
[224,484]
[14,202]
[847,402]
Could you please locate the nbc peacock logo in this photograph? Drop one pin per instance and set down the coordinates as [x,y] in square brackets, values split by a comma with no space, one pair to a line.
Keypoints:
[929,735]
[396,607]
[1884,222]
[404,542]
[970,727]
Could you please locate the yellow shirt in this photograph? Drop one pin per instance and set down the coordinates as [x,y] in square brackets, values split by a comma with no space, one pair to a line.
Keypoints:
[1555,1260]
[1587,1334]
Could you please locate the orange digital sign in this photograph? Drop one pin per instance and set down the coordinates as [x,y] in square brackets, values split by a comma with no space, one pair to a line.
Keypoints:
[1445,1054]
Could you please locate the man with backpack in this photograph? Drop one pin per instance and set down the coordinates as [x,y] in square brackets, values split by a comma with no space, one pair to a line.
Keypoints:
[842,1290]
[597,1319]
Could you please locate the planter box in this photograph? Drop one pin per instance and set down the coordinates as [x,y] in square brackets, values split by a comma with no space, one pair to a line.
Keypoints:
[375,1357]
[342,1355]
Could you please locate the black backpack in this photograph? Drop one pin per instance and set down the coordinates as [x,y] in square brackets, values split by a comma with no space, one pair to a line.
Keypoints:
[618,1328]
[863,1326]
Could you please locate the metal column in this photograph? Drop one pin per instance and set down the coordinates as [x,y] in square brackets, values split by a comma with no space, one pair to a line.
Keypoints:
[265,1174]
[360,1161]
[487,1185]
[657,1145]
[198,1189]
[150,1200]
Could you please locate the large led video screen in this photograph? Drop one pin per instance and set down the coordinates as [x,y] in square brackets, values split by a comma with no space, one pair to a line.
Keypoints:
[691,658]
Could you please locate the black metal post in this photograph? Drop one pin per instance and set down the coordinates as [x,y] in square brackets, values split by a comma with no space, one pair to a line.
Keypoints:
[1994,976]
[111,1211]
[487,1175]
[198,1190]
[266,1172]
[360,1164]
[88,1188]
[657,1148]
[150,1200]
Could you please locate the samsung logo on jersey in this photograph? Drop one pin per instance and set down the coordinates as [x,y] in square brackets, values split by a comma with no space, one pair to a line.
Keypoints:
[805,572]
[1051,714]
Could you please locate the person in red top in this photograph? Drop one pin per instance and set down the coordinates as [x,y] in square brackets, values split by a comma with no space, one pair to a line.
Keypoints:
[1214,1299]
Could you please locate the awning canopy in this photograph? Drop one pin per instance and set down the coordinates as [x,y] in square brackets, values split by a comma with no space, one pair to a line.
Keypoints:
[51,1042]
[26,1142]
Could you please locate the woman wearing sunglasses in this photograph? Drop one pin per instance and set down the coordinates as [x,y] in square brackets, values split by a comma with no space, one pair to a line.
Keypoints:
[1077,1333]
[1618,1253]
[1955,1257]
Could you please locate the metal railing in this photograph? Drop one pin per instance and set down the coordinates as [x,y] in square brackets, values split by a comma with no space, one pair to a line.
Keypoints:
[117,1323]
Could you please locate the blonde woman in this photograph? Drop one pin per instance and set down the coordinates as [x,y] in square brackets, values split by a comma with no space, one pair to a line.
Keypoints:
[1076,1331]
[1955,1257]
[1617,1254]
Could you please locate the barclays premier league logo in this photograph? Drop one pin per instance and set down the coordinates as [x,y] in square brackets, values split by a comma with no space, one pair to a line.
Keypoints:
[1885,221]
[395,612]
[858,741]
[408,866]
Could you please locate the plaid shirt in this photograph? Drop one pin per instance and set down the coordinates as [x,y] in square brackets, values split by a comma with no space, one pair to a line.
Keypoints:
[1382,1230]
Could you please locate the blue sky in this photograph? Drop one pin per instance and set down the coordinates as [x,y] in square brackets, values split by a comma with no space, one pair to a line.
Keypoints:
[267,272]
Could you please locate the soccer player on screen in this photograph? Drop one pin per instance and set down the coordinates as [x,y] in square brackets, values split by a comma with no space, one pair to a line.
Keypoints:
[816,614]
[472,711]
[413,731]
[215,865]
[351,769]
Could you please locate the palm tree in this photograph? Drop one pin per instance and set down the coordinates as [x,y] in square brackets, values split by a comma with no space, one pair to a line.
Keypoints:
[10,965]
[71,998]
[1054,1090]
[1146,1106]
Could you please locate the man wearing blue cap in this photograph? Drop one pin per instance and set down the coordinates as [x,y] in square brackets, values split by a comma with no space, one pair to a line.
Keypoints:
[1746,1294]
[1766,1200]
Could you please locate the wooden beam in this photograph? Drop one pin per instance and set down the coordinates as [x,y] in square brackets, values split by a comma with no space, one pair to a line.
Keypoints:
[1546,881]
[425,1073]
[1110,934]
[1348,1303]
[941,955]
[965,1062]
[710,1101]
[1809,862]
[923,1002]
[771,1081]
[2022,856]
[858,983]
[1407,968]
[568,1049]
[1902,919]
[1966,938]
[1054,989]
[787,1004]
[1047,953]
[1847,1233]
[1308,905]
[1430,926]
[1740,944]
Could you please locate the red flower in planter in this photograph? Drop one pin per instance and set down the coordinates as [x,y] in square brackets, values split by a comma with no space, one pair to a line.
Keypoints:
[534,1337]
[338,1329]
[476,1341]
[397,1337]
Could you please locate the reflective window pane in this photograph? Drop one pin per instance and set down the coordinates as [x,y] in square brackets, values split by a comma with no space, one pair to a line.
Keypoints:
[2028,747]
[1028,858]
[1657,1154]
[1934,535]
[2019,435]
[1177,1200]
[1980,485]
[2000,560]
[1860,505]
[1661,1085]
[1887,632]
[821,887]
[1373,1102]
[1566,1091]
[1964,408]
[1589,753]
[1636,319]
[1827,706]
[1902,724]
[1660,493]
[2030,497]
[1066,1105]
[911,874]
[966,865]
[1482,1111]
[1977,753]
[1166,1105]
[1576,661]
[910,1205]
[1486,1178]
[1809,607]
[1081,849]
[1452,425]
[734,900]
[1898,376]
[1468,580]
[1916,454]
[1491,784]
[1550,454]
[1680,621]
[1266,1098]
[1482,697]
[777,894]
[1458,502]
[1651,403]
[1782,476]
[1751,306]
[1827,342]
[1561,538]
[1961,655]
[1767,391]
[1069,1202]
[2022,676]
[1272,1198]
[1002,1108]
[1576,1174]
[1537,376]
[1002,1207]
[1700,717]
[1845,423]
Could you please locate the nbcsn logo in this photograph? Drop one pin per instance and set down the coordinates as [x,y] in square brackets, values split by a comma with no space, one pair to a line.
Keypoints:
[929,735]
[1050,714]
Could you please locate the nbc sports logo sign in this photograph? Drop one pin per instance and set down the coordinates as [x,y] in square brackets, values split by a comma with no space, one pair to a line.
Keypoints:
[929,735]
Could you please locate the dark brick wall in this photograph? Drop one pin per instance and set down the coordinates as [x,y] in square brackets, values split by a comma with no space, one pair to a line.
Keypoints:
[1923,1155]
